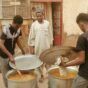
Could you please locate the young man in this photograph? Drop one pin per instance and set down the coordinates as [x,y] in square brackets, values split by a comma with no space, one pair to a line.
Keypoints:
[81,81]
[40,37]
[8,39]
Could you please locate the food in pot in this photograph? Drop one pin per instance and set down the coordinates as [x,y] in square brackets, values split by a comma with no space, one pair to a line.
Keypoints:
[56,73]
[23,77]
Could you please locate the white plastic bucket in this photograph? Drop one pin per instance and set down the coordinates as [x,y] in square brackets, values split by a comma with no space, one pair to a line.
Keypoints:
[56,82]
[20,84]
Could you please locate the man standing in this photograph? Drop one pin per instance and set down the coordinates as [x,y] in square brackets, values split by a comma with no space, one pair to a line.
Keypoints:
[40,37]
[8,39]
[81,81]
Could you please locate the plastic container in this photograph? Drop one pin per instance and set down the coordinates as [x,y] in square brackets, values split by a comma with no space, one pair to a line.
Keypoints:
[21,83]
[58,82]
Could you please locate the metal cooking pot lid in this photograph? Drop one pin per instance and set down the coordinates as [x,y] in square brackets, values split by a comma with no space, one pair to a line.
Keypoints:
[26,62]
[51,55]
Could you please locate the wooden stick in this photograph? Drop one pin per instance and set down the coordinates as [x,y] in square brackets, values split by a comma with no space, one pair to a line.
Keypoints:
[18,71]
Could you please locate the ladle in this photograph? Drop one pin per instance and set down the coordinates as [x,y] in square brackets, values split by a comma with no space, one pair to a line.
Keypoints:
[18,71]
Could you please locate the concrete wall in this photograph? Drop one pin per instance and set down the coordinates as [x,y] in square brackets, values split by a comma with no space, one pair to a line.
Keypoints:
[49,14]
[0,9]
[71,8]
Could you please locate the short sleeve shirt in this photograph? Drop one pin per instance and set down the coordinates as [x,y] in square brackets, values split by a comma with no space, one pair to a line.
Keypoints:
[82,45]
[9,35]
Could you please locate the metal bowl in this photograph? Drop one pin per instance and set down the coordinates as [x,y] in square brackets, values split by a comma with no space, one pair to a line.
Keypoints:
[26,62]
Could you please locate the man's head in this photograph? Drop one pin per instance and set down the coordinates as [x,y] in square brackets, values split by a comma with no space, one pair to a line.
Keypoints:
[17,21]
[82,21]
[40,15]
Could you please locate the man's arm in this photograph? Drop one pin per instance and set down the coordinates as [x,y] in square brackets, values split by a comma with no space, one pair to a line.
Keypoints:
[81,54]
[31,49]
[3,48]
[31,39]
[79,60]
[19,43]
[51,35]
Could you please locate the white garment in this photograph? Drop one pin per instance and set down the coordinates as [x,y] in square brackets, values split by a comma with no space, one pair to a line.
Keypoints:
[6,31]
[40,36]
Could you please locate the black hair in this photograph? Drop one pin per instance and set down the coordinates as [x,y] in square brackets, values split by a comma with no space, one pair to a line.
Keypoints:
[82,17]
[18,19]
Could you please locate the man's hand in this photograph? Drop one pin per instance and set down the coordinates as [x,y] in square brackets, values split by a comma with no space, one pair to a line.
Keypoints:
[27,50]
[11,59]
[32,49]
[62,63]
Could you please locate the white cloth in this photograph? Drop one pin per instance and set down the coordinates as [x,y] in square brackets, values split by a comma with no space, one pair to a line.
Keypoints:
[58,61]
[6,31]
[40,36]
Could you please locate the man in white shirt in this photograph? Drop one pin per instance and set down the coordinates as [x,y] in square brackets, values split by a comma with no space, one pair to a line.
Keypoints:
[41,36]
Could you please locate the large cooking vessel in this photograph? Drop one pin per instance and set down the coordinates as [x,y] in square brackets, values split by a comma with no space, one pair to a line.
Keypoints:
[24,63]
[15,83]
[58,82]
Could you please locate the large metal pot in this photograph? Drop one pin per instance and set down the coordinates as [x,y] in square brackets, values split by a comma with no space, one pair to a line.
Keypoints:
[56,82]
[20,83]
